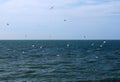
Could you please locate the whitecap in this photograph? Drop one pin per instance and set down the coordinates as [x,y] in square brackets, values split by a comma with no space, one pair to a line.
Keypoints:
[92,44]
[33,45]
[23,52]
[68,45]
[96,57]
[104,42]
[101,46]
[41,47]
[58,55]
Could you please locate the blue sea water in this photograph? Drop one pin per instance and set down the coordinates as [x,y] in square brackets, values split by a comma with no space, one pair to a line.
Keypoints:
[59,61]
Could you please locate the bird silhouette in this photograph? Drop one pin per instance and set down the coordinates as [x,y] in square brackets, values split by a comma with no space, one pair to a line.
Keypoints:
[7,24]
[51,7]
[65,20]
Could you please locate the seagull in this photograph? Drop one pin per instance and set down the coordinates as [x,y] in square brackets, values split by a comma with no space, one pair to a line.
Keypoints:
[25,36]
[65,20]
[84,36]
[51,7]
[7,24]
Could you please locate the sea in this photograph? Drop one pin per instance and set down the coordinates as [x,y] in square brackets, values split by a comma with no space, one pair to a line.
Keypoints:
[59,60]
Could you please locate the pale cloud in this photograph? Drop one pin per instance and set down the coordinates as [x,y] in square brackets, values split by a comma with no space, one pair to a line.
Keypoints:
[104,9]
[41,7]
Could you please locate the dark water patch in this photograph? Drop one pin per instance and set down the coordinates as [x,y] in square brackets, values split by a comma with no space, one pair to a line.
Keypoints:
[39,66]
[101,80]
[36,55]
[84,81]
[110,80]
[2,70]
[108,57]
[91,61]
[30,71]
[115,69]
[60,61]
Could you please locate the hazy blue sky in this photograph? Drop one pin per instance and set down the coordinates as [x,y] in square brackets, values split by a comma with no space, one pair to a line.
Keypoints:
[34,19]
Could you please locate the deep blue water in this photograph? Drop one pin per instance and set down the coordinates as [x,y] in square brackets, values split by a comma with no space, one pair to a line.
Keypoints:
[60,61]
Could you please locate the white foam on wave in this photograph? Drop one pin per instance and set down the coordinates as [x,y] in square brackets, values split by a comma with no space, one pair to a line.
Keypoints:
[33,45]
[101,45]
[58,55]
[104,42]
[68,45]
[96,57]
[41,47]
[23,52]
[92,44]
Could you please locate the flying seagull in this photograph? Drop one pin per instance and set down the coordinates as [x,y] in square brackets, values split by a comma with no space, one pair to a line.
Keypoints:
[7,24]
[51,7]
[84,36]
[65,20]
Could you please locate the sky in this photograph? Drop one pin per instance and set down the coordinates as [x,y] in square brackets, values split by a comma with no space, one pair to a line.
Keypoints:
[59,19]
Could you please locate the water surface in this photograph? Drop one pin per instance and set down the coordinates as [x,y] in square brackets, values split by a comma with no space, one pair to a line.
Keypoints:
[60,60]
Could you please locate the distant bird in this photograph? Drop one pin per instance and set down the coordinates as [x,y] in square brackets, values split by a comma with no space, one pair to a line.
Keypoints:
[7,24]
[84,36]
[51,7]
[65,20]
[25,36]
